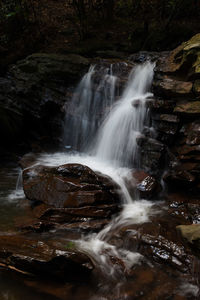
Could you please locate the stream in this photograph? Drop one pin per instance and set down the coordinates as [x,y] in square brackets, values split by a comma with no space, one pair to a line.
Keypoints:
[104,138]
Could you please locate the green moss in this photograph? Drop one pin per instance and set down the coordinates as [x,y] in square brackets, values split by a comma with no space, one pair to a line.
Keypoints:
[70,245]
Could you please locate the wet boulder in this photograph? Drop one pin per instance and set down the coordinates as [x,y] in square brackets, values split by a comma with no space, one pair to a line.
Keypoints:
[146,185]
[70,185]
[70,197]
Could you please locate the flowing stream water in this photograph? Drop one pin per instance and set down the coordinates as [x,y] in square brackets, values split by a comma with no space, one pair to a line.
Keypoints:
[101,130]
[109,148]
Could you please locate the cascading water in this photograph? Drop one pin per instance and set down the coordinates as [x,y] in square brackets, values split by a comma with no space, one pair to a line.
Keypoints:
[89,102]
[116,140]
[110,149]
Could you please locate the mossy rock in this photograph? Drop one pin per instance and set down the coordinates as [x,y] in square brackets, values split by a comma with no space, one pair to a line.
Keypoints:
[184,60]
[191,233]
[42,66]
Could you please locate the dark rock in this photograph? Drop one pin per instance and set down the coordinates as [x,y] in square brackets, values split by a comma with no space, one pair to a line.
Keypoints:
[70,185]
[196,88]
[152,155]
[161,105]
[181,179]
[146,185]
[170,87]
[192,133]
[150,145]
[67,214]
[166,127]
[188,109]
[33,95]
[42,66]
[143,56]
[166,117]
[52,259]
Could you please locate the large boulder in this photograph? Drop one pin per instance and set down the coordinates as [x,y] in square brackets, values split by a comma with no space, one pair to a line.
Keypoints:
[70,197]
[70,185]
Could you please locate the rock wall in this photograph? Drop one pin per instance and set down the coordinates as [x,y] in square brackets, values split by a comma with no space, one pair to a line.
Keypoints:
[32,98]
[175,115]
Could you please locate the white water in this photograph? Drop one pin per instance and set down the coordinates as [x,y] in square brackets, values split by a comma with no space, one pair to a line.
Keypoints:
[18,193]
[112,151]
[84,113]
[116,140]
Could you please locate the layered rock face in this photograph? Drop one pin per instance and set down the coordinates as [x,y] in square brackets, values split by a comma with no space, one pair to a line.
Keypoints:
[175,114]
[33,94]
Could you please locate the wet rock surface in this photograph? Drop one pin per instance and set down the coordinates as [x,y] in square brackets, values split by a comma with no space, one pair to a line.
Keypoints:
[33,256]
[46,250]
[69,200]
[69,197]
[146,185]
[175,114]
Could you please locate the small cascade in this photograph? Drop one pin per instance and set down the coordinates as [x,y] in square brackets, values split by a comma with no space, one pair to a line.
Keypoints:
[116,140]
[90,102]
[18,193]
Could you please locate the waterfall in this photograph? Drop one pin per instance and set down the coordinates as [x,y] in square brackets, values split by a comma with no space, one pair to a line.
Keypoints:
[104,130]
[89,103]
[116,140]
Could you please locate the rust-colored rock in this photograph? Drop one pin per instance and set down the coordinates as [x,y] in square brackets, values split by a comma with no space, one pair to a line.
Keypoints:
[71,185]
[37,257]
